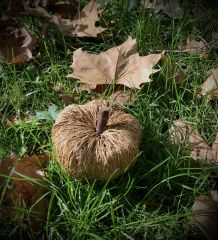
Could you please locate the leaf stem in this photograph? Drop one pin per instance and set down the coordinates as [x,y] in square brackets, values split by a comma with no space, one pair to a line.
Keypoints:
[102,119]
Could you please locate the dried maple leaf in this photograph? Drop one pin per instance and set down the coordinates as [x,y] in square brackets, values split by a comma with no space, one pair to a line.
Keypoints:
[63,9]
[27,186]
[205,215]
[120,65]
[16,43]
[84,24]
[182,131]
[210,86]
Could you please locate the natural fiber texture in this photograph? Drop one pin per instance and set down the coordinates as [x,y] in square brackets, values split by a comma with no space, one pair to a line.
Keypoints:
[86,154]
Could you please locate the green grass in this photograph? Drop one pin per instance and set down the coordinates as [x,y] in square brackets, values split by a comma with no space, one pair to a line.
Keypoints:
[153,199]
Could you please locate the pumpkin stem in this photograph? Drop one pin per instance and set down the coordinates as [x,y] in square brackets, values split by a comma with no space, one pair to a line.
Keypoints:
[102,119]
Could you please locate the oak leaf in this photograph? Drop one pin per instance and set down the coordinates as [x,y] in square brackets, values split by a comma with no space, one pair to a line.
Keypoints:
[118,65]
[27,186]
[183,132]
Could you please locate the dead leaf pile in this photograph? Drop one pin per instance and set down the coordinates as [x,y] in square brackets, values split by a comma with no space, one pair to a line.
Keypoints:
[205,215]
[24,183]
[16,43]
[183,132]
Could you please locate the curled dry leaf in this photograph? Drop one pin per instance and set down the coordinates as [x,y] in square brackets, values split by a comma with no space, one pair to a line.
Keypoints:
[183,132]
[205,215]
[27,186]
[210,86]
[84,24]
[118,65]
[16,43]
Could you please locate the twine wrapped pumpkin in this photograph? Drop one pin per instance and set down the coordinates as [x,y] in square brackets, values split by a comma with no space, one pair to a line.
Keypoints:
[95,140]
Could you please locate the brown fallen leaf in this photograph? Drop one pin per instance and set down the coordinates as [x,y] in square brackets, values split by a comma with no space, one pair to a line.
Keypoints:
[16,43]
[65,9]
[210,86]
[69,99]
[13,8]
[215,37]
[84,24]
[194,46]
[118,94]
[120,65]
[27,186]
[179,74]
[174,71]
[183,132]
[37,10]
[9,121]
[60,9]
[146,4]
[172,8]
[67,17]
[205,215]
[123,96]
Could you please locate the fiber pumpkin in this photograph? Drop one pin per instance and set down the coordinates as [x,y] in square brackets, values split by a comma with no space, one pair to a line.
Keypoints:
[96,140]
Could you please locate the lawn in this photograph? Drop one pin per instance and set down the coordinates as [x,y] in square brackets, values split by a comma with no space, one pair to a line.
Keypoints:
[154,198]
